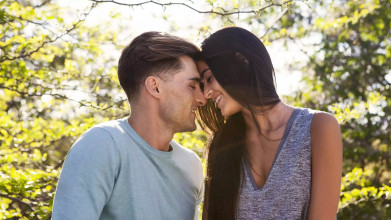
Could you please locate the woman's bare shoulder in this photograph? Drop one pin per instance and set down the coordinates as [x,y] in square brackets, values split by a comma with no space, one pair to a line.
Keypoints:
[324,129]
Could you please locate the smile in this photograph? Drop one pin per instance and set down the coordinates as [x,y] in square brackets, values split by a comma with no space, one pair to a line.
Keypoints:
[218,99]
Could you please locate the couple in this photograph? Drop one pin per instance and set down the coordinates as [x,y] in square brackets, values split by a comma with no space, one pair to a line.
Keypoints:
[266,159]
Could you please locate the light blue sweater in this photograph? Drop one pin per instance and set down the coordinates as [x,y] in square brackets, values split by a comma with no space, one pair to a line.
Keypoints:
[112,173]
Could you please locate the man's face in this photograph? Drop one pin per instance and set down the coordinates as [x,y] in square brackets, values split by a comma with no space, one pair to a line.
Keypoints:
[182,97]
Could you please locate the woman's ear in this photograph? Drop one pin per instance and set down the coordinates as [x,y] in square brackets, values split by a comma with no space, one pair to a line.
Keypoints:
[152,86]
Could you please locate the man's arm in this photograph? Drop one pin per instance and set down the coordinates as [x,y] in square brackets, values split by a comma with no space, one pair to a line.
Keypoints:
[200,195]
[87,177]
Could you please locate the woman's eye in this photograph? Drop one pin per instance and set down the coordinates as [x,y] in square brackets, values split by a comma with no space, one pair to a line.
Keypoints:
[193,87]
[209,79]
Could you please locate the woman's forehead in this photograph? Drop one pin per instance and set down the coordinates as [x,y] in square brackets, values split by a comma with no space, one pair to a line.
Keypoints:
[202,68]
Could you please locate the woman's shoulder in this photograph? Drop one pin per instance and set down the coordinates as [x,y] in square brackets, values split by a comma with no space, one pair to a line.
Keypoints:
[320,122]
[316,114]
[325,132]
[306,111]
[324,121]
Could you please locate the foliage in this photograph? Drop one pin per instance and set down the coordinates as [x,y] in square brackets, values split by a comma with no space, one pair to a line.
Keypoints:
[57,80]
[357,189]
[40,117]
[347,75]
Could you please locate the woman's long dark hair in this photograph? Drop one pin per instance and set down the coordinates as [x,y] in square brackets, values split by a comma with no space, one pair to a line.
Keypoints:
[241,65]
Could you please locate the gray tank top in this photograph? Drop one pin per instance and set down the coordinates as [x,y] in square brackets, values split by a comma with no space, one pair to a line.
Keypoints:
[286,192]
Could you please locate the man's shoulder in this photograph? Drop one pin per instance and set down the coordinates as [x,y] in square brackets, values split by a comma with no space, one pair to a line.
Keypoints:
[190,163]
[108,128]
[186,153]
[111,126]
[105,132]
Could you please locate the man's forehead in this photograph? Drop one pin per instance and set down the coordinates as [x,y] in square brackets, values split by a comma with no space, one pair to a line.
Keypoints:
[197,79]
[189,70]
[192,67]
[193,75]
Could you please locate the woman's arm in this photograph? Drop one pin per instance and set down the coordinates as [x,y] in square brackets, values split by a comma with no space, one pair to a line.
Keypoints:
[326,145]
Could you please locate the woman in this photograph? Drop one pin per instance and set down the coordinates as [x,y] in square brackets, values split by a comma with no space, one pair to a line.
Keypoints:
[266,159]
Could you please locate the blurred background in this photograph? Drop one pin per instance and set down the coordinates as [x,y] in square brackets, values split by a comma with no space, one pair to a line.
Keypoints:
[58,77]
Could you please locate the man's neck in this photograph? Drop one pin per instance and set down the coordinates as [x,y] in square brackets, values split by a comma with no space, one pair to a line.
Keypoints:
[151,130]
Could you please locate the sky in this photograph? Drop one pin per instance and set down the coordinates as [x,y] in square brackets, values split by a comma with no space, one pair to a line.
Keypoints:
[185,23]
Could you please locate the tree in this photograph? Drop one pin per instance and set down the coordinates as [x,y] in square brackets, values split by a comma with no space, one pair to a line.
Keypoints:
[347,75]
[353,73]
[40,117]
[57,79]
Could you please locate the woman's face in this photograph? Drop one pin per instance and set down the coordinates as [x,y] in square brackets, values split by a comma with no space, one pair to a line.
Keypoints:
[213,90]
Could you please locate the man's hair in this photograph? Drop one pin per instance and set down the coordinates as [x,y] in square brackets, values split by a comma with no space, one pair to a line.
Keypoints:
[151,53]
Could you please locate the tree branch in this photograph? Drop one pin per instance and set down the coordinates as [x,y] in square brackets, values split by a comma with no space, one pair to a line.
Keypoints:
[60,96]
[4,58]
[224,13]
[360,201]
[275,21]
[17,200]
[42,4]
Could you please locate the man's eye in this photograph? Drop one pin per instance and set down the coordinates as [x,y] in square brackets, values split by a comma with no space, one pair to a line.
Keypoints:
[209,79]
[193,87]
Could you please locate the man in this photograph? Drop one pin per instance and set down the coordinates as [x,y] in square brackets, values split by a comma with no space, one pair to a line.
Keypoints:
[130,168]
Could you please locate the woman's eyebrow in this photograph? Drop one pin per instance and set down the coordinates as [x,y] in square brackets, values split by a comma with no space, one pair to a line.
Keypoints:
[203,72]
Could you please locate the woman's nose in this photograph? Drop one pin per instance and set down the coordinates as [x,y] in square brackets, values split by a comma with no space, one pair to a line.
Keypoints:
[208,93]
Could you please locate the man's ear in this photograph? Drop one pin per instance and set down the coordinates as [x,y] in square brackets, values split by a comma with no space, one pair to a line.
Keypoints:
[152,85]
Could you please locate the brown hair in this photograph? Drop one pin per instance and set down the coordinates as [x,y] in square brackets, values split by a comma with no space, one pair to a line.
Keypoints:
[151,53]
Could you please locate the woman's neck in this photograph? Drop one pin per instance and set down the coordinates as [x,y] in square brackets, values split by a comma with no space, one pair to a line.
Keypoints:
[269,121]
[264,141]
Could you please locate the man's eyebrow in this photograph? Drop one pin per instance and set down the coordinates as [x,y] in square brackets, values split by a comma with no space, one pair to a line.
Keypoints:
[197,79]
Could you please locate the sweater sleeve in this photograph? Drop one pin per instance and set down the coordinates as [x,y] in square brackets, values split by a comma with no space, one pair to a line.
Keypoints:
[201,192]
[87,178]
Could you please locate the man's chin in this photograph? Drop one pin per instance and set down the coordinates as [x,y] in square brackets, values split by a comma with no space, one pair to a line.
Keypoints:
[189,128]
